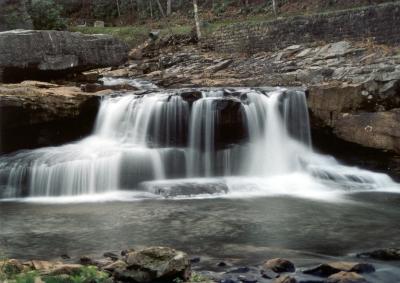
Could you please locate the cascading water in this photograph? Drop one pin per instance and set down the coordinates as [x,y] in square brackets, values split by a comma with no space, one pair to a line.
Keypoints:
[253,141]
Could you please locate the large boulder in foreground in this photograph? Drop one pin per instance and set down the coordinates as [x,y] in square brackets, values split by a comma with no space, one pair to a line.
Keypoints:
[35,114]
[155,264]
[28,54]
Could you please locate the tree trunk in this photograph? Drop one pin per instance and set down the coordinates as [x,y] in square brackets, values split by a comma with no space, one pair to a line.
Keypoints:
[169,8]
[151,8]
[196,19]
[161,8]
[119,12]
[132,10]
[274,8]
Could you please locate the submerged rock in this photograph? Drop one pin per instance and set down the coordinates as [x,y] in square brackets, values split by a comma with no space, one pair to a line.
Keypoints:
[155,263]
[184,188]
[322,270]
[268,273]
[50,53]
[382,254]
[327,269]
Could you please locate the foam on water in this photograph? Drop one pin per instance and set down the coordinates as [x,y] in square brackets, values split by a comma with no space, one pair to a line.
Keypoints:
[161,136]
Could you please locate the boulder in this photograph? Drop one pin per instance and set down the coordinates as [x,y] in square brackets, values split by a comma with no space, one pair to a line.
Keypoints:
[321,270]
[382,254]
[219,66]
[285,279]
[327,102]
[119,264]
[378,130]
[155,263]
[96,87]
[86,260]
[43,265]
[11,266]
[65,268]
[346,277]
[279,265]
[111,255]
[358,267]
[327,269]
[191,96]
[32,115]
[169,189]
[47,54]
[336,49]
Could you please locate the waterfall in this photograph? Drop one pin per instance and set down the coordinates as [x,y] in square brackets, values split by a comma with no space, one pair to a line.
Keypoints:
[257,140]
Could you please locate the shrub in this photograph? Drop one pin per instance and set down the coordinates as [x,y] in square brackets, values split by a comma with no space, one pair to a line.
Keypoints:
[46,15]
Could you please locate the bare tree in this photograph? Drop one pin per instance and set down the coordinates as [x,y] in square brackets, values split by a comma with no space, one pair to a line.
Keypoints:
[196,19]
[274,8]
[169,7]
[151,8]
[119,12]
[161,8]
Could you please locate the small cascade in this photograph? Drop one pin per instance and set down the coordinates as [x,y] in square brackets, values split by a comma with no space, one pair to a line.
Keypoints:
[201,159]
[252,140]
[296,118]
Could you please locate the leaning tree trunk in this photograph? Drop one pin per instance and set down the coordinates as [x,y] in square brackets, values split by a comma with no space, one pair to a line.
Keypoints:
[196,19]
[161,8]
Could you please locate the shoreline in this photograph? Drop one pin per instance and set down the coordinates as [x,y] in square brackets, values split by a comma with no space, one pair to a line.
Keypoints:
[163,264]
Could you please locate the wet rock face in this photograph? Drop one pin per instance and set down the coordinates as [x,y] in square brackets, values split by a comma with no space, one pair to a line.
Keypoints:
[375,130]
[47,54]
[231,127]
[36,114]
[366,114]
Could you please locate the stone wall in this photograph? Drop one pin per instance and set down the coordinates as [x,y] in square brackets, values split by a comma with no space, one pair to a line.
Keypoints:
[379,23]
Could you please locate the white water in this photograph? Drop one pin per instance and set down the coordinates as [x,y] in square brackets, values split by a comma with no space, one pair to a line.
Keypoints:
[163,137]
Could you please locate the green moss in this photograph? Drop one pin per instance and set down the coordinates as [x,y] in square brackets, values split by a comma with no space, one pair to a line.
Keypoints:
[86,274]
[198,278]
[28,277]
[133,35]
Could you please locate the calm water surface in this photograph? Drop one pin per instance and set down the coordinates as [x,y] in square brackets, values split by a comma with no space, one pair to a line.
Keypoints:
[219,228]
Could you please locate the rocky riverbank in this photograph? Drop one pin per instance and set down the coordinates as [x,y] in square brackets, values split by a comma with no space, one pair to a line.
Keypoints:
[162,264]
